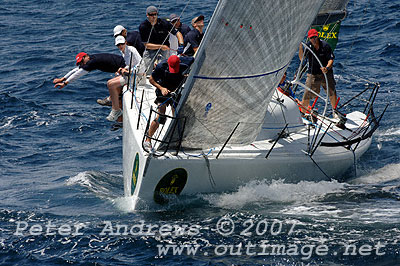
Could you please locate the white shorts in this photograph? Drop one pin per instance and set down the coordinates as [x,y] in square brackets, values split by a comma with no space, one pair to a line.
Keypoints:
[123,80]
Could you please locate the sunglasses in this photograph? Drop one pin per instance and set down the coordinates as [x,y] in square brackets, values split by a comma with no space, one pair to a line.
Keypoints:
[314,37]
[152,14]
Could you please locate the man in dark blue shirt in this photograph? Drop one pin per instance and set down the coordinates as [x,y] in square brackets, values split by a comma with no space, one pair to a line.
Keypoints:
[104,62]
[315,77]
[193,38]
[168,76]
[154,33]
[176,21]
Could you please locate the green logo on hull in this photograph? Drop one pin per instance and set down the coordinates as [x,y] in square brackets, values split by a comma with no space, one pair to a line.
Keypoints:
[135,173]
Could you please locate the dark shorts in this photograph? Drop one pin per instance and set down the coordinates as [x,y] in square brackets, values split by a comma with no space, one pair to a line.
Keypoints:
[316,81]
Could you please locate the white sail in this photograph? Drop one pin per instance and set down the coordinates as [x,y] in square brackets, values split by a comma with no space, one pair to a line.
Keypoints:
[246,50]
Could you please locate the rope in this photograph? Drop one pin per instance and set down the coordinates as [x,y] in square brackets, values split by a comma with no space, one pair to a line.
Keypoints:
[319,168]
[199,155]
[210,177]
[136,103]
[302,125]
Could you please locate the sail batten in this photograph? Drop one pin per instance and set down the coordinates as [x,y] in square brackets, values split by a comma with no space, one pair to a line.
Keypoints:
[247,48]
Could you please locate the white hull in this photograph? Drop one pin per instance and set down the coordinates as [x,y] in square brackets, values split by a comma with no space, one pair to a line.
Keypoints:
[144,174]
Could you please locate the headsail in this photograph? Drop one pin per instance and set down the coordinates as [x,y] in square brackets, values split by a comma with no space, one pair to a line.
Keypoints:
[247,48]
[328,21]
[331,11]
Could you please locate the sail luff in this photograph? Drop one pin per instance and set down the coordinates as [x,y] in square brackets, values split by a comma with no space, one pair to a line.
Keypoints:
[197,63]
[244,39]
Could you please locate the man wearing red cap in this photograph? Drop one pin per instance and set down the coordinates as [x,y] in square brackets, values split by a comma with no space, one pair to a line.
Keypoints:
[104,62]
[315,77]
[168,76]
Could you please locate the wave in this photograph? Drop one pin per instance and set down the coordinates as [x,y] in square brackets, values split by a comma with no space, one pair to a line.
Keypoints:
[104,185]
[124,204]
[22,121]
[258,194]
[264,192]
[390,134]
[383,175]
[379,184]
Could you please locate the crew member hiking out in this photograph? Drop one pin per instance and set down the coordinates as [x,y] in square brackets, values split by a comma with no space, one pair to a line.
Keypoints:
[110,63]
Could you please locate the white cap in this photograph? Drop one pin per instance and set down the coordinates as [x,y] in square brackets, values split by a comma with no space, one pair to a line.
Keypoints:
[118,29]
[119,39]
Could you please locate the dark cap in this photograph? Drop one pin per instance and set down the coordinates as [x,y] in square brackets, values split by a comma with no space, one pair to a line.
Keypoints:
[194,20]
[151,9]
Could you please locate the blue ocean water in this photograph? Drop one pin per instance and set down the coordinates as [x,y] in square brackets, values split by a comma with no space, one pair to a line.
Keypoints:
[61,191]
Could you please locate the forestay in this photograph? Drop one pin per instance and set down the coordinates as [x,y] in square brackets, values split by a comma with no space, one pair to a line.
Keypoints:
[247,48]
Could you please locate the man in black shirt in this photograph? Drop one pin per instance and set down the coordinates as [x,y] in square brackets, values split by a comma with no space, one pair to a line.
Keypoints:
[104,62]
[166,77]
[176,21]
[193,38]
[154,33]
[315,77]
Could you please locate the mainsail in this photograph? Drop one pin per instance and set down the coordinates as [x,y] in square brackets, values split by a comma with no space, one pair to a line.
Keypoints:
[246,50]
